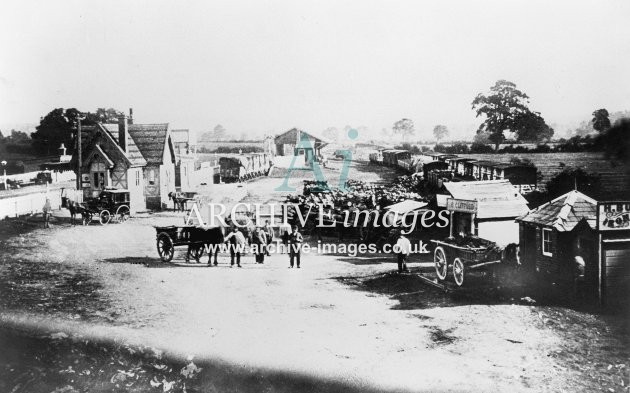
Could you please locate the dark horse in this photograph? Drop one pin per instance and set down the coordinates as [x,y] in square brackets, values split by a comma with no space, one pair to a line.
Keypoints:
[75,207]
[206,240]
[179,203]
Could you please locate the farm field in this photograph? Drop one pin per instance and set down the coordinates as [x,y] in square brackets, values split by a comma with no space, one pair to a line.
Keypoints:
[615,179]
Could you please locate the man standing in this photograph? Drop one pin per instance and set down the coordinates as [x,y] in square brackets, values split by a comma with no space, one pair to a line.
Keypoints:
[269,234]
[295,246]
[46,210]
[259,239]
[237,241]
[402,248]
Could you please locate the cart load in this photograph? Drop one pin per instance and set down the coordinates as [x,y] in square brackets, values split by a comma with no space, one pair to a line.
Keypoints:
[463,254]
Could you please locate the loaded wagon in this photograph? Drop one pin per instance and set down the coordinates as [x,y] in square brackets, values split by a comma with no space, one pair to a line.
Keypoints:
[241,167]
[461,257]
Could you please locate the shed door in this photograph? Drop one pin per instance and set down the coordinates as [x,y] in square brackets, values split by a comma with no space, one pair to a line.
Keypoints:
[617,272]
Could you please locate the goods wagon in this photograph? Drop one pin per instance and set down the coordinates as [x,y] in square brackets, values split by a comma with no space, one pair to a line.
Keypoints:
[240,167]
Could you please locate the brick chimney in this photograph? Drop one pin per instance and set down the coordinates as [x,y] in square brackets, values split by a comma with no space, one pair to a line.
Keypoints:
[123,132]
[130,120]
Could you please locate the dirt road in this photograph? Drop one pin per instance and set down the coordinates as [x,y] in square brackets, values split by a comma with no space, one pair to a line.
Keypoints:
[338,317]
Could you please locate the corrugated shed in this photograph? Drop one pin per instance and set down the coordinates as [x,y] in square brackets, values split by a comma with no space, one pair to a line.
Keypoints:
[151,140]
[496,198]
[564,212]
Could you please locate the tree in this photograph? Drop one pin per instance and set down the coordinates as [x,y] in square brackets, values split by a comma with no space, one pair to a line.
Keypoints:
[331,133]
[506,109]
[440,132]
[571,179]
[616,142]
[601,121]
[54,129]
[219,132]
[532,128]
[404,127]
[103,115]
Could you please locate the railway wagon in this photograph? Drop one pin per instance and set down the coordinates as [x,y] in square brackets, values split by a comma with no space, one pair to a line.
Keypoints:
[391,157]
[376,157]
[241,167]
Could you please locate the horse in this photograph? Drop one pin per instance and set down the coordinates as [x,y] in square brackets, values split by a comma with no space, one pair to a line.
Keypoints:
[75,207]
[511,255]
[204,239]
[179,203]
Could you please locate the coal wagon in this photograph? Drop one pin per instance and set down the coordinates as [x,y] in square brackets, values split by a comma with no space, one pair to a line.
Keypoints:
[241,167]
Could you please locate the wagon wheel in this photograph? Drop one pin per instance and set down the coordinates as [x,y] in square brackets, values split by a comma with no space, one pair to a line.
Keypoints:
[441,264]
[196,251]
[105,217]
[458,271]
[165,247]
[122,213]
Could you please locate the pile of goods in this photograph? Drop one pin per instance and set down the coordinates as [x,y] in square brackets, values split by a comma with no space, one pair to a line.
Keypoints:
[361,196]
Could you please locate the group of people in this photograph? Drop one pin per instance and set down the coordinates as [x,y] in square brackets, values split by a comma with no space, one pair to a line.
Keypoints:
[261,240]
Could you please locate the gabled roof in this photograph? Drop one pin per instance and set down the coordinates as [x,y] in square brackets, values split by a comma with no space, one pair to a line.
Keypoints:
[291,136]
[496,198]
[565,212]
[133,153]
[151,139]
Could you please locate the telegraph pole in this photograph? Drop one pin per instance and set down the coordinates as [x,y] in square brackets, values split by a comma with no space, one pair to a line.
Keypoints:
[79,153]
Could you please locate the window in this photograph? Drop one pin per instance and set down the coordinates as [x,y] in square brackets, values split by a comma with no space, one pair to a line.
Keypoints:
[546,242]
[151,177]
[137,177]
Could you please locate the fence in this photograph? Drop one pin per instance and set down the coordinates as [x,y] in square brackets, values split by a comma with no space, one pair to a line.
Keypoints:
[34,202]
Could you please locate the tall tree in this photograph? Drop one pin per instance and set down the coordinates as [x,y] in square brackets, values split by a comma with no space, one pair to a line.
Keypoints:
[404,127]
[54,129]
[616,142]
[440,132]
[601,120]
[219,132]
[506,109]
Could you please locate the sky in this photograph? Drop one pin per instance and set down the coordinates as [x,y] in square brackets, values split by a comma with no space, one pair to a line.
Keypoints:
[263,67]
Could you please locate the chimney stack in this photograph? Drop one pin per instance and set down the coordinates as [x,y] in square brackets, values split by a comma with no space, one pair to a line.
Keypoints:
[123,132]
[130,120]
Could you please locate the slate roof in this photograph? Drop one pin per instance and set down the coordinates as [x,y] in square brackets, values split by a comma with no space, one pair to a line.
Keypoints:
[564,212]
[151,140]
[133,152]
[496,198]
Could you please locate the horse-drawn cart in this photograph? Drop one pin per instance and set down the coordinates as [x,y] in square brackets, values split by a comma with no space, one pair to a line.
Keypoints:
[464,256]
[110,205]
[195,238]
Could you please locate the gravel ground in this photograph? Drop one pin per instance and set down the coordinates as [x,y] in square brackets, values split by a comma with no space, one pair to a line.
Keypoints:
[337,318]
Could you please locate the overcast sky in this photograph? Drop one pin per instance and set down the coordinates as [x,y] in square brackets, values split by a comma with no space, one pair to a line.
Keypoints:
[266,66]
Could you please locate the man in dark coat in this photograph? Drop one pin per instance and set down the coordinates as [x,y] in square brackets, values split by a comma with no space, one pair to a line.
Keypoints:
[295,246]
[259,239]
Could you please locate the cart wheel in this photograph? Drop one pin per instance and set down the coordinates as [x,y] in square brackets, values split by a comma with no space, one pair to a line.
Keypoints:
[122,213]
[196,251]
[441,264]
[105,217]
[458,271]
[165,247]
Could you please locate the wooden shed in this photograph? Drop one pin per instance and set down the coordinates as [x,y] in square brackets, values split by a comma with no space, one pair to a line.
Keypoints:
[575,225]
[292,143]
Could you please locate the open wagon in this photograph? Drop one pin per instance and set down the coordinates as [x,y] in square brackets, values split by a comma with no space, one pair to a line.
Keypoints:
[195,238]
[463,257]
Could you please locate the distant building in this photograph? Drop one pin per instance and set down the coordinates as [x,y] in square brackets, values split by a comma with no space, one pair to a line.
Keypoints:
[184,159]
[136,157]
[288,144]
